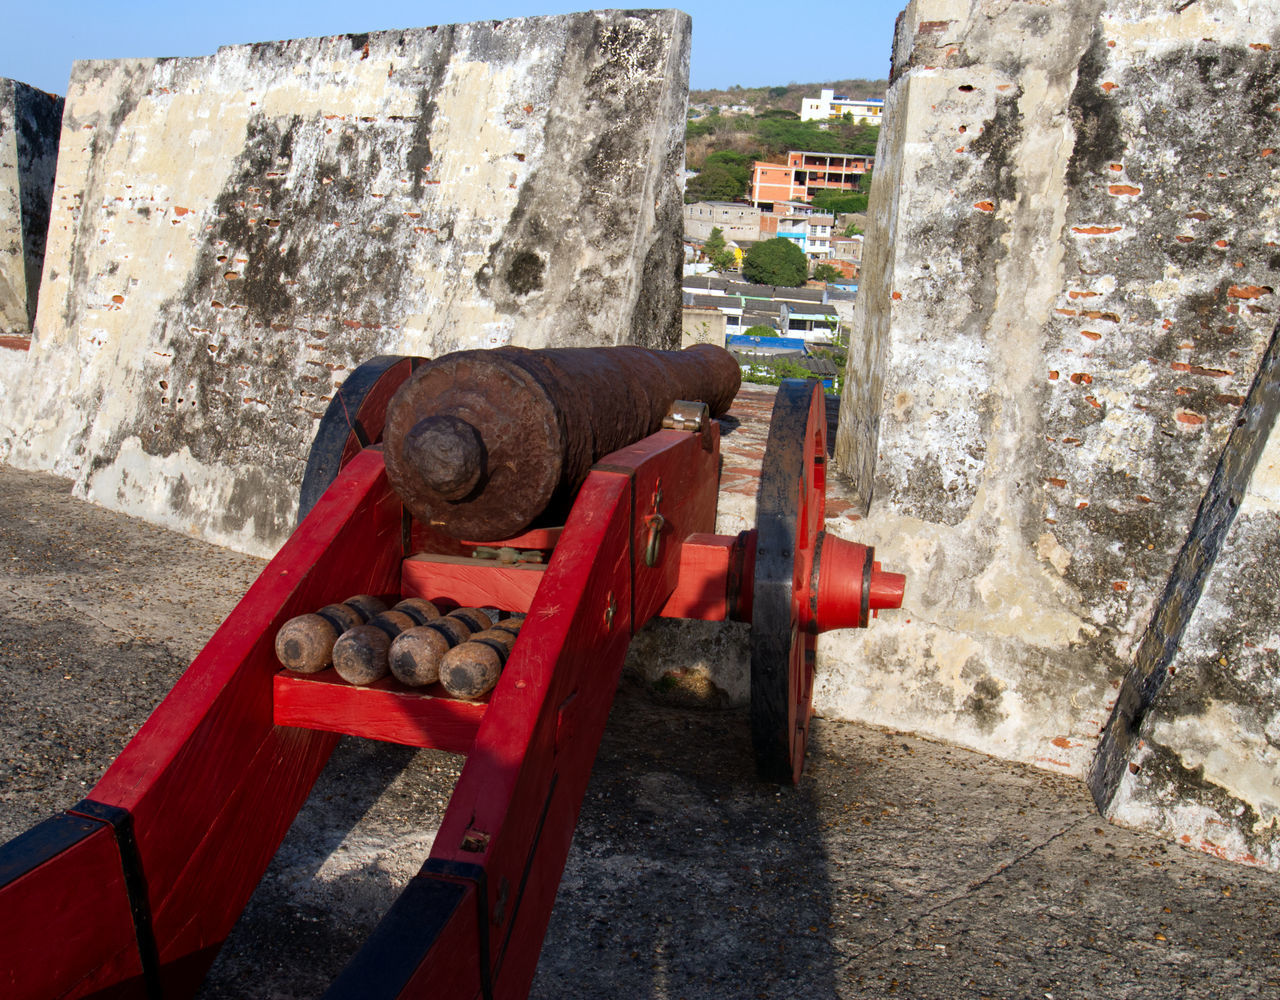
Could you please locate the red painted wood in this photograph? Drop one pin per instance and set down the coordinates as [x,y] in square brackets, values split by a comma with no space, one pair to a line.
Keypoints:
[471,583]
[516,740]
[556,768]
[226,864]
[684,469]
[838,599]
[580,723]
[534,538]
[116,979]
[211,782]
[702,584]
[386,710]
[517,800]
[790,514]
[66,929]
[372,412]
[424,538]
[516,804]
[451,967]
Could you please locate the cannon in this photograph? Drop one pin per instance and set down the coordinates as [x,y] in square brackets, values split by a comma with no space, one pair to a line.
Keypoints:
[131,892]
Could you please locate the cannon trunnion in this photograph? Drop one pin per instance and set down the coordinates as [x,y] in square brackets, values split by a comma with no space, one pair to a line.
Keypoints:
[131,892]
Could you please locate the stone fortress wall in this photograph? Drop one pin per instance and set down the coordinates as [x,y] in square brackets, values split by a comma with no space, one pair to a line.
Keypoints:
[28,156]
[232,234]
[1065,390]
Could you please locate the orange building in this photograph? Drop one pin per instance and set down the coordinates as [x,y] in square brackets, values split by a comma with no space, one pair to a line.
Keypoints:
[771,182]
[804,173]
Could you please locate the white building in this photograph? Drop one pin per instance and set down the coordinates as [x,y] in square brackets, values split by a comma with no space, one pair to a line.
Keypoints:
[811,232]
[735,220]
[832,105]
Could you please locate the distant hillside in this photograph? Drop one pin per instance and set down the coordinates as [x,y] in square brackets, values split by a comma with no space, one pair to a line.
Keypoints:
[787,98]
[721,147]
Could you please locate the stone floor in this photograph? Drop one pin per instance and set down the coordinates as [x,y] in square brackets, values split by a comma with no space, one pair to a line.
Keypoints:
[898,867]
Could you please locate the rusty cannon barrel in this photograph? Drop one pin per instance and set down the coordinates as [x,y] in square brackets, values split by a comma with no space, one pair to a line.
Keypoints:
[480,443]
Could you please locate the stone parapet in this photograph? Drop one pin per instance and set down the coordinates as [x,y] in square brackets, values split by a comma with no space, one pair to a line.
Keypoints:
[29,128]
[232,234]
[1066,301]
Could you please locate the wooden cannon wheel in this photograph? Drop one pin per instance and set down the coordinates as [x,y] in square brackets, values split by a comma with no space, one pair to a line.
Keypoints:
[353,420]
[789,518]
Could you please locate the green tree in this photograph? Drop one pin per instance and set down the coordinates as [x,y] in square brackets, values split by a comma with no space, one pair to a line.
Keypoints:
[826,272]
[778,261]
[836,201]
[777,135]
[735,161]
[837,354]
[715,182]
[858,137]
[760,330]
[774,131]
[706,125]
[725,260]
[772,372]
[715,242]
[725,176]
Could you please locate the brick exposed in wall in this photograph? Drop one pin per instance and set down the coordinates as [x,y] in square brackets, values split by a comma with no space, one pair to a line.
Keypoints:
[232,234]
[1068,292]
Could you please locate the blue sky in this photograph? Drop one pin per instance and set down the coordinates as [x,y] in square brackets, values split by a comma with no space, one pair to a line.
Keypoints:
[748,42]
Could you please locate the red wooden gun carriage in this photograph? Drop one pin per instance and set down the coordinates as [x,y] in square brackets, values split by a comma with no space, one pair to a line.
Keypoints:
[131,892]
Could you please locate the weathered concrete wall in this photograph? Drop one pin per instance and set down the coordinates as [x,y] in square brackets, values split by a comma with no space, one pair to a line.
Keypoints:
[1068,293]
[1203,761]
[14,317]
[29,129]
[232,234]
[702,326]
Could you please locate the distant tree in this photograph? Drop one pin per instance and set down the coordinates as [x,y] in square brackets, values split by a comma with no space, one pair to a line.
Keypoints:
[706,125]
[826,272]
[774,132]
[859,137]
[716,182]
[773,371]
[725,176]
[714,243]
[778,91]
[837,202]
[733,160]
[780,134]
[725,260]
[760,330]
[778,261]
